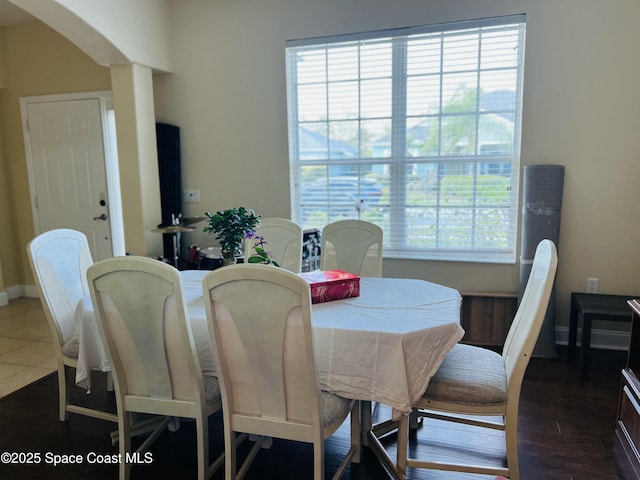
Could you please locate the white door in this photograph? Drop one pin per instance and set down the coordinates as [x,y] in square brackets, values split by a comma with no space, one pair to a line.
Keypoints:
[65,144]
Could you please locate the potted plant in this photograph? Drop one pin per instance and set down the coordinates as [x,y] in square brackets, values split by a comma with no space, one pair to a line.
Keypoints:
[230,227]
[261,255]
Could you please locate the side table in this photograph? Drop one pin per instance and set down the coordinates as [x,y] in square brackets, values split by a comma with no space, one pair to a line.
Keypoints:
[588,307]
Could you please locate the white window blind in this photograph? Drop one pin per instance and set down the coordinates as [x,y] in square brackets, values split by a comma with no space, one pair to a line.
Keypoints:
[416,130]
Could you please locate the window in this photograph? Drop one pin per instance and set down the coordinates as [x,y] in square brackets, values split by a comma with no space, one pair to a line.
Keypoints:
[416,130]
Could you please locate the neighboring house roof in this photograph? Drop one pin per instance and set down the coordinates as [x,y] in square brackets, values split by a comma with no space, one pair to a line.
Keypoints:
[502,102]
[499,103]
[314,145]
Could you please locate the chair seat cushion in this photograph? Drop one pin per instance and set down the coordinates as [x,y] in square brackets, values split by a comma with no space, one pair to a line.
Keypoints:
[211,389]
[470,376]
[334,408]
[71,347]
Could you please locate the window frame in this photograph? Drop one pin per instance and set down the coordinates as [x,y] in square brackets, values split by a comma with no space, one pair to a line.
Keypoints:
[399,160]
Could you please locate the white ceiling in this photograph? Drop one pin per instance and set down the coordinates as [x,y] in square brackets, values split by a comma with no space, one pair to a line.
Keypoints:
[11,15]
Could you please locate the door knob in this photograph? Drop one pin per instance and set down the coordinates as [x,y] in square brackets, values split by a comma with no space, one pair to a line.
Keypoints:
[101,217]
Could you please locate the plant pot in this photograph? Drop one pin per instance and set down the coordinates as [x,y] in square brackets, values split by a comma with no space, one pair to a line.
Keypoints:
[228,258]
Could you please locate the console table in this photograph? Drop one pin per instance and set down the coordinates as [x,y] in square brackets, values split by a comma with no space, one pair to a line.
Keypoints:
[487,316]
[588,307]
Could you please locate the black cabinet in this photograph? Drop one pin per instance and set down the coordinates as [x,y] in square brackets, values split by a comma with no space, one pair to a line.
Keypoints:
[628,424]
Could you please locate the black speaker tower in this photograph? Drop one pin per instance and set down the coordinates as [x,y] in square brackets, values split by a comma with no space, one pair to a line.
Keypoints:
[168,143]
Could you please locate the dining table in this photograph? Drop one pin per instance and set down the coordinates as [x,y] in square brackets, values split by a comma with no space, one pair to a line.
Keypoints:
[382,346]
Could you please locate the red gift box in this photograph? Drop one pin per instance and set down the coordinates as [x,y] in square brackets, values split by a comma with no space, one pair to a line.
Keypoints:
[332,285]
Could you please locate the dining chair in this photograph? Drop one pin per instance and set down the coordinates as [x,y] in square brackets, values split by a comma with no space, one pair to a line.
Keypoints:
[142,317]
[264,354]
[478,382]
[59,260]
[283,241]
[354,246]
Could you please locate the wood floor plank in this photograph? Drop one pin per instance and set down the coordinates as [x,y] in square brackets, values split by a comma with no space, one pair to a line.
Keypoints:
[566,431]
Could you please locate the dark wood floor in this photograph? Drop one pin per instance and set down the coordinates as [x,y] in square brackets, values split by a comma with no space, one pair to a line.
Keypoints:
[566,432]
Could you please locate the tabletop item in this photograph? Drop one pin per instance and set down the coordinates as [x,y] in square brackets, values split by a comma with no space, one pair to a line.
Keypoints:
[311,242]
[329,285]
[230,227]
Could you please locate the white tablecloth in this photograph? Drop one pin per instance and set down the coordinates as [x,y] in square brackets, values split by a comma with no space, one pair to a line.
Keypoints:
[384,345]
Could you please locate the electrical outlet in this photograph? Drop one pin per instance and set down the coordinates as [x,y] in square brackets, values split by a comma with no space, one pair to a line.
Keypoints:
[191,196]
[592,285]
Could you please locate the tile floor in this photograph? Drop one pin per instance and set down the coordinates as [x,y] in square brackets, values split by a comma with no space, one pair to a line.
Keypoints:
[26,351]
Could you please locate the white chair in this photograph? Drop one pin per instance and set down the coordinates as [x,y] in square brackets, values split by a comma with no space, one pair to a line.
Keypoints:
[264,353]
[142,318]
[283,241]
[59,260]
[354,246]
[474,381]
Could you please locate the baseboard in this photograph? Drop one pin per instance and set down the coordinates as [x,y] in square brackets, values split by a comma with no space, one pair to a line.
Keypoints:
[29,291]
[17,291]
[602,339]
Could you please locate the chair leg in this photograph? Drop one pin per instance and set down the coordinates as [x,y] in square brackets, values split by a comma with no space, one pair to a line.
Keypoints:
[403,441]
[318,460]
[124,422]
[248,460]
[511,437]
[366,420]
[354,453]
[202,441]
[229,454]
[356,432]
[63,394]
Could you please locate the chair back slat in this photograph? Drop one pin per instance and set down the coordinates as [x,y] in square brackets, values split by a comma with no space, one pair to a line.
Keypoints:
[283,241]
[59,261]
[261,327]
[143,320]
[526,325]
[354,246]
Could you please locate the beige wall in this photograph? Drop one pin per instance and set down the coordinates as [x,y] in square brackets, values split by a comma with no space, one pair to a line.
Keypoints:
[110,32]
[39,62]
[581,110]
